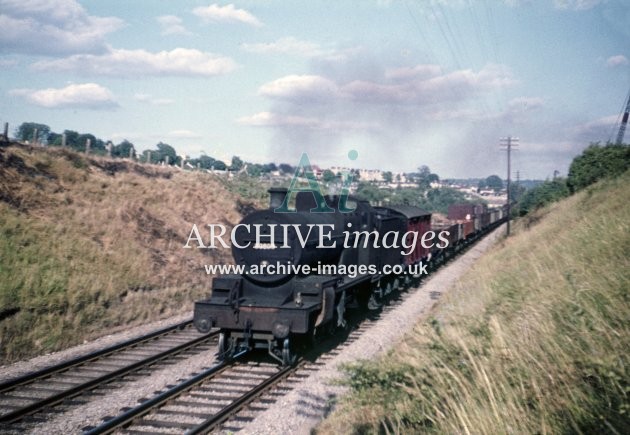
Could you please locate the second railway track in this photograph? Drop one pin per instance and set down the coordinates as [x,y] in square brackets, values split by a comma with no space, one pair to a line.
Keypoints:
[31,393]
[200,403]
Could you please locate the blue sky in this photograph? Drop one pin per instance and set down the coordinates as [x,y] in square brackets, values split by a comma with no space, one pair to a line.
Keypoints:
[405,83]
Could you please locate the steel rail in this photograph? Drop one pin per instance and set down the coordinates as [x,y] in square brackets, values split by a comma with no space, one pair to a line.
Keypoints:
[20,413]
[39,374]
[224,414]
[238,404]
[145,407]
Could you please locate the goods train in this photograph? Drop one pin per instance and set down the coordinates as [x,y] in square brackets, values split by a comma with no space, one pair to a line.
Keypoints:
[334,261]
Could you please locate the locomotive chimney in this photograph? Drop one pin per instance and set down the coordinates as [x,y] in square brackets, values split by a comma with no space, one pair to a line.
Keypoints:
[276,196]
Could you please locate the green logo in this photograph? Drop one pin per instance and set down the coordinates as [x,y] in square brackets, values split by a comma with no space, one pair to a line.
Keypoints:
[303,172]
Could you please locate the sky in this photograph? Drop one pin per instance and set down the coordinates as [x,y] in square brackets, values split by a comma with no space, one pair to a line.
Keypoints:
[405,83]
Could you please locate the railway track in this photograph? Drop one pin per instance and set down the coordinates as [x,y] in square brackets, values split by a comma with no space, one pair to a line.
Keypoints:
[213,399]
[202,402]
[220,397]
[41,390]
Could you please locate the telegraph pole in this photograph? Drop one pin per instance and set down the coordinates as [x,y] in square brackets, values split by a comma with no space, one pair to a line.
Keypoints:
[508,143]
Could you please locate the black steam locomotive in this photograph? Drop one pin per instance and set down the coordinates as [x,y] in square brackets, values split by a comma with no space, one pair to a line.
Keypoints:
[304,294]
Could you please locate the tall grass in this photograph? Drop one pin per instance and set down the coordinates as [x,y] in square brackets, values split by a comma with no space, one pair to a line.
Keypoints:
[534,339]
[88,245]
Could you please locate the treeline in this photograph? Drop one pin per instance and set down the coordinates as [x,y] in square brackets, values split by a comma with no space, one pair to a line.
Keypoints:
[162,153]
[431,199]
[595,163]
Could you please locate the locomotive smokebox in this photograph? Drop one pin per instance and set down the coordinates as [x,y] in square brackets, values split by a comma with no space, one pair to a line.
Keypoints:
[276,196]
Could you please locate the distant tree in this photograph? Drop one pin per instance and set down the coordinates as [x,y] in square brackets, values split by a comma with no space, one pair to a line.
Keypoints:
[388,176]
[542,195]
[237,164]
[439,199]
[204,161]
[26,130]
[96,145]
[54,139]
[370,192]
[270,167]
[77,141]
[72,139]
[424,177]
[597,162]
[254,169]
[149,156]
[219,165]
[328,176]
[122,149]
[413,196]
[494,182]
[286,168]
[165,150]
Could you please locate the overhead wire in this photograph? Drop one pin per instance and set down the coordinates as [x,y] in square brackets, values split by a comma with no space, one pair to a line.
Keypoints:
[460,52]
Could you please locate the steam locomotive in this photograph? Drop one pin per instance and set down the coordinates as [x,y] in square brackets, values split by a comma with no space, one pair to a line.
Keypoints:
[321,264]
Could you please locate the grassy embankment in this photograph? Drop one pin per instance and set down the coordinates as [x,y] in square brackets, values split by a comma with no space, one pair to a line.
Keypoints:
[534,339]
[88,245]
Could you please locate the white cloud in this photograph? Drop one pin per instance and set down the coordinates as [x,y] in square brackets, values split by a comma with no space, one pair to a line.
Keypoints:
[269,119]
[226,13]
[418,71]
[597,127]
[86,95]
[146,98]
[139,63]
[288,45]
[385,108]
[618,60]
[52,27]
[172,25]
[422,90]
[420,85]
[309,87]
[576,5]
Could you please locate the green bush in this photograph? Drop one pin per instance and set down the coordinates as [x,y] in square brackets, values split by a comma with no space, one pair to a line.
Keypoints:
[597,162]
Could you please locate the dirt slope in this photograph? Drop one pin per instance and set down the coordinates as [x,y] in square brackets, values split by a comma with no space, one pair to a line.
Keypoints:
[89,244]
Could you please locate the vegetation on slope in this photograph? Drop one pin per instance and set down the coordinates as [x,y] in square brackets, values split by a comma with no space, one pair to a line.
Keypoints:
[534,339]
[88,244]
[595,163]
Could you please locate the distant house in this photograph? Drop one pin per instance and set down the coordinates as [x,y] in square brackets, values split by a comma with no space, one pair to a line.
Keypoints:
[317,171]
[371,174]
